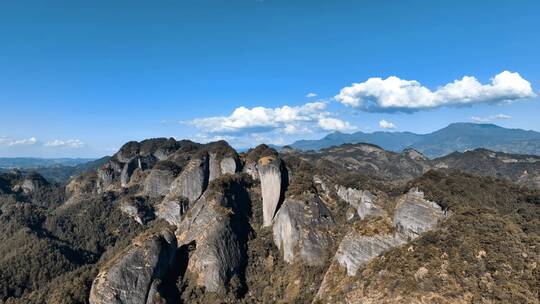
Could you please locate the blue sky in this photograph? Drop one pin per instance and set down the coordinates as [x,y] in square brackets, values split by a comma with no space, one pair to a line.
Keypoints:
[80,78]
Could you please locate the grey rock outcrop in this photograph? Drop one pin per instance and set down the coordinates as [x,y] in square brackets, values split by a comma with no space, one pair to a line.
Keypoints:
[128,278]
[127,171]
[270,174]
[362,200]
[158,182]
[193,180]
[107,174]
[217,256]
[415,215]
[301,230]
[172,209]
[228,165]
[33,182]
[356,250]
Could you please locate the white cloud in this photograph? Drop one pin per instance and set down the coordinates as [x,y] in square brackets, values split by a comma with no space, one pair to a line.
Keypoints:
[7,141]
[69,143]
[395,94]
[386,124]
[490,118]
[285,119]
[334,124]
[311,95]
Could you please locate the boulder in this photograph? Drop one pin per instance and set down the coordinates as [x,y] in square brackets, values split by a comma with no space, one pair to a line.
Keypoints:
[301,230]
[217,256]
[128,278]
[415,215]
[270,174]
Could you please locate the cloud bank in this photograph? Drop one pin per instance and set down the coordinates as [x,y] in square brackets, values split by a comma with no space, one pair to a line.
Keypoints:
[7,141]
[69,143]
[398,95]
[285,119]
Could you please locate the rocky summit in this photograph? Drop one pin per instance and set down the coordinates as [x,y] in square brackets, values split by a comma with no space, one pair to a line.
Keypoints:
[167,221]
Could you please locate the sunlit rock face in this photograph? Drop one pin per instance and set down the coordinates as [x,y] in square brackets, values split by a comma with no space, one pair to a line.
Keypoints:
[301,230]
[193,180]
[363,201]
[356,250]
[270,174]
[33,182]
[158,182]
[107,173]
[217,256]
[415,215]
[128,278]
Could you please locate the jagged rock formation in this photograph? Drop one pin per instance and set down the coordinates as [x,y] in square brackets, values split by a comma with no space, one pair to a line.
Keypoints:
[270,174]
[415,215]
[302,230]
[193,180]
[362,201]
[33,182]
[336,216]
[131,276]
[217,256]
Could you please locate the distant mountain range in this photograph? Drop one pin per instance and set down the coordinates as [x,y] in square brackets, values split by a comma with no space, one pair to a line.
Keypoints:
[455,137]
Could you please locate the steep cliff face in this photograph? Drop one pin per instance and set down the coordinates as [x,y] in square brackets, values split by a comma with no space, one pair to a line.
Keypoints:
[270,175]
[364,202]
[302,230]
[218,253]
[130,276]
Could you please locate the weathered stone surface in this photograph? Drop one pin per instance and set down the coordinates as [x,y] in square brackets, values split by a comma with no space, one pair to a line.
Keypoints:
[33,182]
[363,201]
[193,180]
[356,250]
[213,167]
[171,209]
[301,230]
[127,171]
[415,215]
[158,182]
[251,169]
[127,152]
[228,165]
[107,174]
[128,278]
[217,256]
[270,174]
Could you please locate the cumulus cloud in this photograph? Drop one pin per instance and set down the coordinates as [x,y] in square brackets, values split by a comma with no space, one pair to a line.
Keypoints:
[286,119]
[69,143]
[311,95]
[490,118]
[7,141]
[386,124]
[395,94]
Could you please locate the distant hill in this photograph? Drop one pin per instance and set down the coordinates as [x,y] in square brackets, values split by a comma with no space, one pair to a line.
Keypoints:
[56,170]
[455,137]
[34,162]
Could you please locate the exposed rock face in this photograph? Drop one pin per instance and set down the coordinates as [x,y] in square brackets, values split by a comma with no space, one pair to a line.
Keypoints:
[172,210]
[362,201]
[33,182]
[228,165]
[193,180]
[301,230]
[214,169]
[356,250]
[270,174]
[251,169]
[217,257]
[415,215]
[127,171]
[106,175]
[158,182]
[129,277]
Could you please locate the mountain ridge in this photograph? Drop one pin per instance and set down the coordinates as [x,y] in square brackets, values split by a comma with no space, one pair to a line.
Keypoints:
[458,137]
